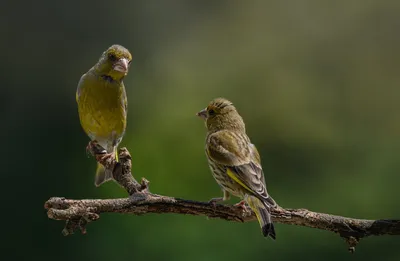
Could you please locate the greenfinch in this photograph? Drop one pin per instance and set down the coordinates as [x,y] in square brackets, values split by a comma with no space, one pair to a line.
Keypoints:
[102,103]
[234,161]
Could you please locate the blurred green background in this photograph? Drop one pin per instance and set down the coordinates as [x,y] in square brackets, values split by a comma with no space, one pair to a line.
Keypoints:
[317,83]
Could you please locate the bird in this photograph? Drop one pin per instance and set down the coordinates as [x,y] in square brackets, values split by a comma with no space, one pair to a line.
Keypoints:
[102,103]
[235,162]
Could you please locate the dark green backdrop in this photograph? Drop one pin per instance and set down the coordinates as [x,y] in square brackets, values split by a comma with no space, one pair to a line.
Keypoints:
[317,83]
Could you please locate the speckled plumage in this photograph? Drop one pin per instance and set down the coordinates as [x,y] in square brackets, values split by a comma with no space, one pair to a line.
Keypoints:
[102,102]
[235,162]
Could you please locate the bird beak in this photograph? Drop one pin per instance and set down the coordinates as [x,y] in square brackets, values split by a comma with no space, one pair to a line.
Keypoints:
[202,114]
[121,65]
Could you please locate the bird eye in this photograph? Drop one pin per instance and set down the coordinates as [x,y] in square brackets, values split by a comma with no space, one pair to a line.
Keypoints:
[211,112]
[112,57]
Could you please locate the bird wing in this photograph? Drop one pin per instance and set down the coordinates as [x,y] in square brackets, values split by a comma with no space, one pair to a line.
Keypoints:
[242,161]
[124,98]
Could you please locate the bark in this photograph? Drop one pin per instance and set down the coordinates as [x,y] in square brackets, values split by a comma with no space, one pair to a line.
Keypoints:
[78,213]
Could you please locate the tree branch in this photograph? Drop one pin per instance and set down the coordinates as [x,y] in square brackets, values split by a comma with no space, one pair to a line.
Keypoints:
[78,213]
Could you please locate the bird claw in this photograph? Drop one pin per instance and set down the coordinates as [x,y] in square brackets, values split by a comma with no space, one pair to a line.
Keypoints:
[105,159]
[243,206]
[93,148]
[108,160]
[214,201]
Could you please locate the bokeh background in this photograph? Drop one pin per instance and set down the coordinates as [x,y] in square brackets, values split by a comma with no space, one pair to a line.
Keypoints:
[317,83]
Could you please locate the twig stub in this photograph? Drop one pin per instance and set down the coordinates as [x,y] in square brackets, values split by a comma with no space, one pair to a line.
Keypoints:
[78,213]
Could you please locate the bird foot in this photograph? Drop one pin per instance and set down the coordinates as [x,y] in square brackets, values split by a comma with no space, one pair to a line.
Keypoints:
[106,159]
[93,148]
[245,209]
[214,201]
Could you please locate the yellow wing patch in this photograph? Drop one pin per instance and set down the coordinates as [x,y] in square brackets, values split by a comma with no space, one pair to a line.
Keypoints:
[235,178]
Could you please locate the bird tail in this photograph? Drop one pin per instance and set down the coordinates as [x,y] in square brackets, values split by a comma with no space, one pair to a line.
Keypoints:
[263,216]
[102,174]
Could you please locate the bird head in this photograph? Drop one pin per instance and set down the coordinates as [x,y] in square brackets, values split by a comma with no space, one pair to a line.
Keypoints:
[114,62]
[220,114]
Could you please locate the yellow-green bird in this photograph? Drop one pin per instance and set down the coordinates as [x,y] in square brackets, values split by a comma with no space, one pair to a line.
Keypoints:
[234,161]
[102,103]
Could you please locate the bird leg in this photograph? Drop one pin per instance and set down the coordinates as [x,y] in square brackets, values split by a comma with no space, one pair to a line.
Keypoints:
[226,197]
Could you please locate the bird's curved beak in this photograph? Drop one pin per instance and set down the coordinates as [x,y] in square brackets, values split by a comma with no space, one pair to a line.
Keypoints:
[121,65]
[202,114]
